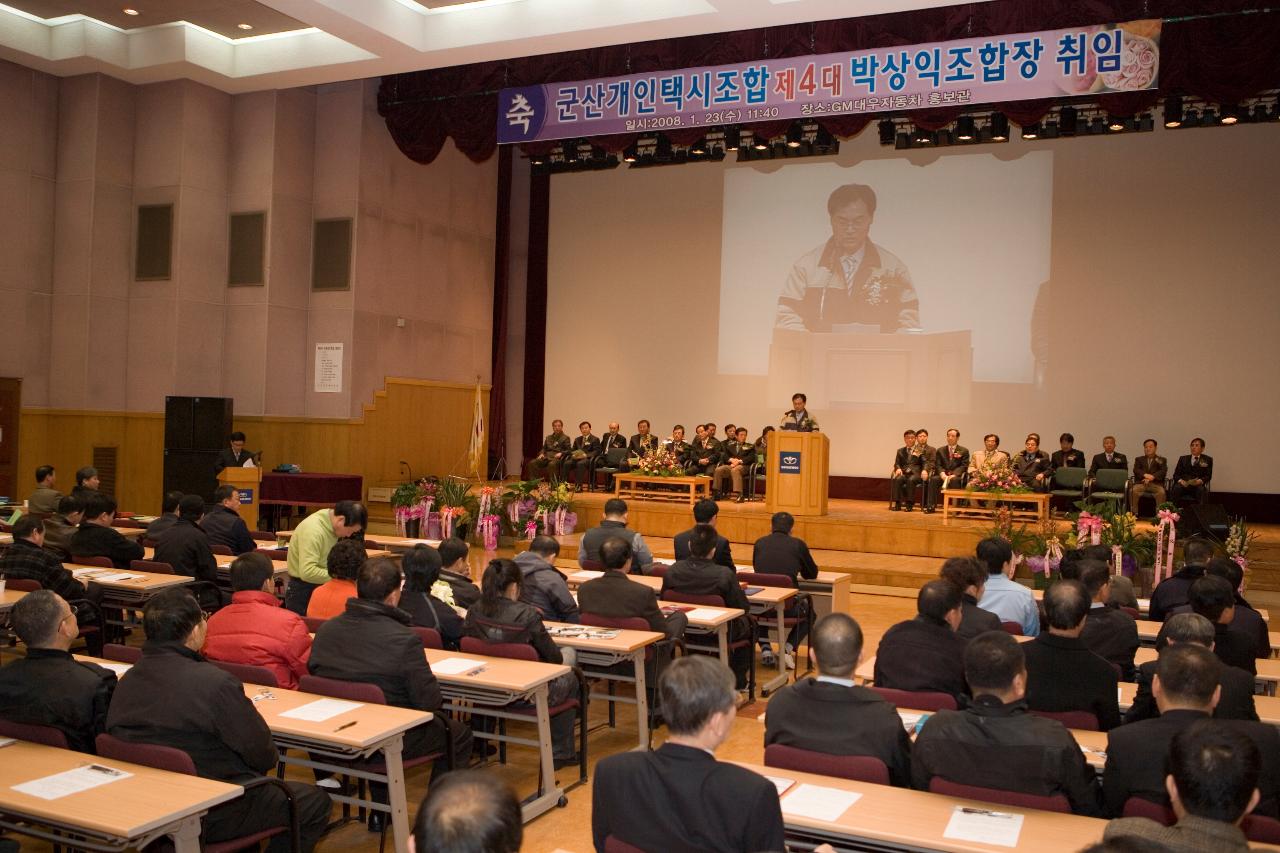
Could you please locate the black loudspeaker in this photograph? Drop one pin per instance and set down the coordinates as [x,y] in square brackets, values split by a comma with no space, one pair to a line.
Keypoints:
[197,423]
[190,472]
[1206,520]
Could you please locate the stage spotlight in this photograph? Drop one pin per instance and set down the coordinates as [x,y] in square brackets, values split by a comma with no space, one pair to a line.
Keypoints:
[1191,118]
[1260,112]
[631,153]
[1067,118]
[942,137]
[1209,117]
[965,130]
[823,141]
[1145,123]
[887,133]
[902,142]
[1031,131]
[1230,113]
[699,148]
[569,152]
[1173,111]
[759,144]
[1115,124]
[795,135]
[732,138]
[1098,125]
[662,149]
[921,136]
[999,127]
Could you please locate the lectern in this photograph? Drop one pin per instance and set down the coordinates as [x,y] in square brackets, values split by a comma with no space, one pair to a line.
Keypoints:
[796,481]
[247,483]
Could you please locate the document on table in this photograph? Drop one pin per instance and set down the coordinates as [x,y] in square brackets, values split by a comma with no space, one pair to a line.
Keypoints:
[71,781]
[455,666]
[116,577]
[819,802]
[118,668]
[703,614]
[781,784]
[985,826]
[321,710]
[587,575]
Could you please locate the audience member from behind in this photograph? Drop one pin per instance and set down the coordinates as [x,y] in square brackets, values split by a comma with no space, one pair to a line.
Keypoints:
[780,553]
[996,742]
[223,524]
[1186,690]
[1211,782]
[44,500]
[60,527]
[968,575]
[616,596]
[1174,590]
[174,697]
[309,548]
[87,483]
[1109,632]
[371,642]
[679,798]
[456,572]
[924,653]
[830,714]
[254,629]
[421,565]
[168,516]
[1062,673]
[1247,619]
[705,511]
[615,524]
[343,565]
[544,586]
[1213,598]
[185,545]
[1004,596]
[95,537]
[49,687]
[468,811]
[1122,591]
[1236,702]
[27,559]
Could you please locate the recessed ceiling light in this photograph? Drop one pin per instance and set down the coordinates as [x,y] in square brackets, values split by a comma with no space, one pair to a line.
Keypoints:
[245,26]
[129,11]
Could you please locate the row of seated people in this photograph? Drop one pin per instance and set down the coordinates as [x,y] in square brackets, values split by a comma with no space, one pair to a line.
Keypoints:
[918,465]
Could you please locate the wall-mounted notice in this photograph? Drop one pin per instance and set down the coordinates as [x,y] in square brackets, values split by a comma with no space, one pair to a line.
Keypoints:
[328,368]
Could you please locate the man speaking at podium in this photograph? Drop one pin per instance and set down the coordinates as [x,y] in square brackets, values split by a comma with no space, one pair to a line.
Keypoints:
[849,279]
[234,456]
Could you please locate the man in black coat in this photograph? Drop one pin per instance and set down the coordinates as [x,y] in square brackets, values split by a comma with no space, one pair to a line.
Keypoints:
[679,798]
[456,572]
[233,455]
[1067,456]
[1247,620]
[26,559]
[1192,474]
[1062,673]
[95,538]
[1213,598]
[970,577]
[1236,701]
[950,469]
[167,518]
[705,512]
[616,596]
[174,697]
[830,714]
[1186,689]
[614,523]
[223,524]
[49,687]
[908,472]
[1172,591]
[924,653]
[185,545]
[780,553]
[1108,458]
[1109,632]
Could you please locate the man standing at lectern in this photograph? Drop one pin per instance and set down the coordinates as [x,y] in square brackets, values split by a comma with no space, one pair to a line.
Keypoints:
[234,456]
[849,279]
[799,418]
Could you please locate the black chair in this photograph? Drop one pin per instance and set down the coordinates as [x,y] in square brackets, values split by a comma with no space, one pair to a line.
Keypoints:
[608,464]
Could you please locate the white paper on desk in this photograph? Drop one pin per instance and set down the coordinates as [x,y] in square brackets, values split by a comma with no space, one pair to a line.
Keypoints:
[703,614]
[819,802]
[455,666]
[781,784]
[118,668]
[587,575]
[114,577]
[321,710]
[71,781]
[92,574]
[987,827]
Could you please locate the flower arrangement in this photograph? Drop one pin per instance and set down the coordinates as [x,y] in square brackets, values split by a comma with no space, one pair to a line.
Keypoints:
[490,518]
[538,506]
[1111,525]
[659,462]
[995,477]
[458,507]
[412,503]
[1040,547]
[1167,518]
[1239,539]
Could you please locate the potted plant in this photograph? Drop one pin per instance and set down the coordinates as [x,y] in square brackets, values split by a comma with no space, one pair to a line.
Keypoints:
[458,507]
[412,503]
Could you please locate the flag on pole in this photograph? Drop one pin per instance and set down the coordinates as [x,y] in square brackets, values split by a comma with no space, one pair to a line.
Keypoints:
[477,434]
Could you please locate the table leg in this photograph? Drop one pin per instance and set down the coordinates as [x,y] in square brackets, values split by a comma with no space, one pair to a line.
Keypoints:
[642,698]
[722,637]
[780,636]
[392,755]
[186,837]
[548,794]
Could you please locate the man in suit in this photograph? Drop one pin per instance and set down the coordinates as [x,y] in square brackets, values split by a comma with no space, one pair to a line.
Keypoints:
[990,457]
[967,575]
[44,499]
[616,596]
[60,527]
[614,523]
[735,459]
[705,455]
[1149,472]
[96,538]
[185,545]
[1066,456]
[612,442]
[554,452]
[223,524]
[924,653]
[168,515]
[234,456]
[1004,596]
[1172,591]
[780,553]
[929,466]
[613,438]
[698,575]
[995,742]
[1108,458]
[1032,465]
[1062,673]
[585,448]
[679,798]
[829,714]
[643,441]
[1236,700]
[678,446]
[1214,599]
[908,471]
[1192,474]
[1109,632]
[1247,619]
[1186,690]
[1211,783]
[705,512]
[951,466]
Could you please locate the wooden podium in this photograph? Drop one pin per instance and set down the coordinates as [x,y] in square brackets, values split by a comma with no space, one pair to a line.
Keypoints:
[248,482]
[796,481]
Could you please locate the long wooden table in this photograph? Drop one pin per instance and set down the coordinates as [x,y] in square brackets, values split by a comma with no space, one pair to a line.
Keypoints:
[642,487]
[1015,502]
[1268,668]
[129,812]
[1148,631]
[10,598]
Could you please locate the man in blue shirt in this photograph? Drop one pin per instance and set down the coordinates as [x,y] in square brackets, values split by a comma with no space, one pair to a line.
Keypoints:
[1005,597]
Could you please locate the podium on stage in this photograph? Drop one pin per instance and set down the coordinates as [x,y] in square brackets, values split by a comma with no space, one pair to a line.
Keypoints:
[247,483]
[796,481]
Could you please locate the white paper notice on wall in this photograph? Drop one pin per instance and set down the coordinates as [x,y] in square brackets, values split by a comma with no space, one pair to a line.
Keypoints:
[329,368]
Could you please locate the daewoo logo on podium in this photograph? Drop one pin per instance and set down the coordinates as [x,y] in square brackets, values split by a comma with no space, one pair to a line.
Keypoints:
[789,463]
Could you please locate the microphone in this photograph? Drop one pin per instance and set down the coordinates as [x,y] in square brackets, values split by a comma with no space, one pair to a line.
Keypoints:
[408,468]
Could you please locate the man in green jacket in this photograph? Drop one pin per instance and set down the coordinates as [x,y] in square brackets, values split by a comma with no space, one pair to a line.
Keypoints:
[309,549]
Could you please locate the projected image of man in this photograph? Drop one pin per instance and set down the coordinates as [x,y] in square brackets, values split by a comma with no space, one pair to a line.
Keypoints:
[849,279]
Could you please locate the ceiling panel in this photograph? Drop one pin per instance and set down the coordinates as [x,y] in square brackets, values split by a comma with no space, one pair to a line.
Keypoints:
[219,16]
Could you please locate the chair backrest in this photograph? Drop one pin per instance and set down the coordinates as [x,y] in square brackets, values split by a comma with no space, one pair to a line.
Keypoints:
[262,536]
[860,768]
[222,550]
[766,579]
[313,623]
[23,584]
[1132,611]
[248,673]
[1083,720]
[35,733]
[1110,479]
[278,555]
[592,565]
[689,598]
[920,700]
[123,654]
[128,524]
[1262,829]
[371,545]
[1159,812]
[147,754]
[1017,799]
[614,457]
[430,637]
[1069,478]
[659,570]
[151,566]
[352,691]
[1012,627]
[613,844]
[627,623]
[100,562]
[515,651]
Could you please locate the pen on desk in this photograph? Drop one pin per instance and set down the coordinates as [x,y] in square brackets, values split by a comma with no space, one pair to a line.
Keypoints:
[345,726]
[477,671]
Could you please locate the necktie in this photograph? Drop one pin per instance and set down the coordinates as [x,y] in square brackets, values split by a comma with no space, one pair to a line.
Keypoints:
[1108,458]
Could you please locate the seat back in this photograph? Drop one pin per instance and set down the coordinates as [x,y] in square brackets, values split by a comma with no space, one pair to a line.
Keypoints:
[35,733]
[860,768]
[592,565]
[659,570]
[1262,829]
[1082,720]
[1069,478]
[99,562]
[313,623]
[1132,611]
[147,754]
[128,524]
[262,536]
[1159,812]
[352,691]
[23,584]
[1012,627]
[1017,799]
[151,566]
[222,550]
[626,623]
[613,459]
[514,651]
[613,844]
[371,545]
[430,637]
[278,555]
[689,598]
[121,653]
[920,700]
[1110,479]
[766,579]
[248,673]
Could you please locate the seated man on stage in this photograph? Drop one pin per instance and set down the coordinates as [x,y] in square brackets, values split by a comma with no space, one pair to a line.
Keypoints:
[738,456]
[1108,458]
[908,468]
[1032,465]
[555,449]
[1149,472]
[990,456]
[929,465]
[677,445]
[642,442]
[951,466]
[585,448]
[1067,456]
[705,454]
[1192,475]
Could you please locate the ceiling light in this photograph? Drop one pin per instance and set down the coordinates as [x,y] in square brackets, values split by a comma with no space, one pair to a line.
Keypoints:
[1115,124]
[795,135]
[999,127]
[129,11]
[1230,113]
[760,144]
[1173,111]
[732,138]
[1031,131]
[629,155]
[699,147]
[244,26]
[964,128]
